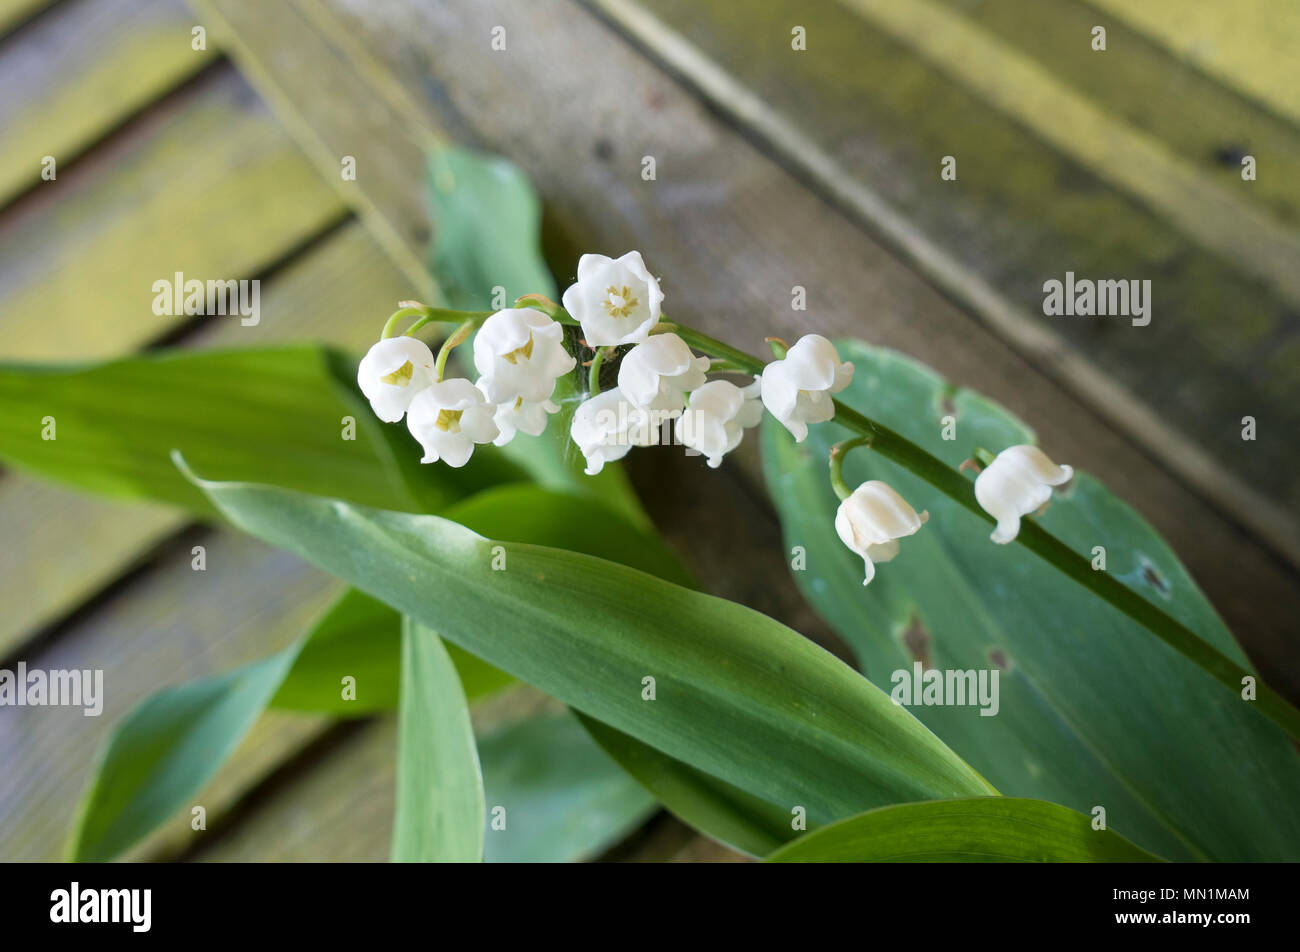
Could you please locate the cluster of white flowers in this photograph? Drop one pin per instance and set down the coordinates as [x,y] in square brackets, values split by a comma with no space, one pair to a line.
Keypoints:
[519,355]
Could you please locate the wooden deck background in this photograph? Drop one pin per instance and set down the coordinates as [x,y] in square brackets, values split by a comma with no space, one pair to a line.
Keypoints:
[775,168]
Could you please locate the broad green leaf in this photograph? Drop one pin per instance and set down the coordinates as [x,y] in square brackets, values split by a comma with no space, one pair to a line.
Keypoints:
[440,809]
[487,220]
[278,415]
[978,830]
[562,798]
[166,749]
[739,695]
[1093,710]
[712,806]
[360,638]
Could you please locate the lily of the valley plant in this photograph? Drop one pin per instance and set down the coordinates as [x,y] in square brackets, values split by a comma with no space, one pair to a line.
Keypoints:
[677,385]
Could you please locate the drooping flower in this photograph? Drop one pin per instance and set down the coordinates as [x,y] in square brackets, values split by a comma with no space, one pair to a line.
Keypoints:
[1018,482]
[616,300]
[872,520]
[658,374]
[393,371]
[715,419]
[448,418]
[607,426]
[519,352]
[797,389]
[521,416]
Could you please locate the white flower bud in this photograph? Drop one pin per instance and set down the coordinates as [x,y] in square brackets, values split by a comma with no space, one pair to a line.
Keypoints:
[1019,481]
[797,389]
[616,300]
[607,426]
[872,520]
[658,374]
[448,418]
[393,371]
[519,352]
[715,419]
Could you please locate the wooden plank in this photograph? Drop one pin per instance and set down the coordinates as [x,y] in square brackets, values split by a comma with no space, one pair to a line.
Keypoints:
[1018,214]
[213,188]
[1248,44]
[716,193]
[1137,81]
[78,545]
[381,133]
[14,13]
[171,625]
[78,72]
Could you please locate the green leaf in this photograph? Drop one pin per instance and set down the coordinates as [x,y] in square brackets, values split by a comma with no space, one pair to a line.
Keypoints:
[782,719]
[360,638]
[488,220]
[978,830]
[276,415]
[440,808]
[712,806]
[563,798]
[166,749]
[1087,697]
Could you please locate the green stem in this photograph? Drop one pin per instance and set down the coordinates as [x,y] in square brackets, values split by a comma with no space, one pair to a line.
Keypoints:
[593,376]
[458,337]
[838,452]
[427,315]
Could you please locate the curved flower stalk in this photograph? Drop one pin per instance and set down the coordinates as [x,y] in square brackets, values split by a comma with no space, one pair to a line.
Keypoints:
[617,302]
[1018,482]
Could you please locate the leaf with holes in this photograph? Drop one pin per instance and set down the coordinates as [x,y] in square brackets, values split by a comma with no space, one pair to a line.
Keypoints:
[1092,710]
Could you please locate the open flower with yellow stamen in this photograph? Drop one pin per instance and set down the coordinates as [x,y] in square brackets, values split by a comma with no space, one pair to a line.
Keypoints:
[616,300]
[393,372]
[519,353]
[449,418]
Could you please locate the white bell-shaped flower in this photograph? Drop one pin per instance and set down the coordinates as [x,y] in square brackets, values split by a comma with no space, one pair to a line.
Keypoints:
[872,520]
[448,418]
[714,421]
[519,352]
[1018,481]
[520,416]
[607,426]
[797,389]
[393,371]
[616,300]
[658,374]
